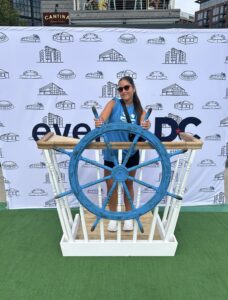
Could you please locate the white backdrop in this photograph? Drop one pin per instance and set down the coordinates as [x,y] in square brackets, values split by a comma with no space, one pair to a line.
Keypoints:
[53,75]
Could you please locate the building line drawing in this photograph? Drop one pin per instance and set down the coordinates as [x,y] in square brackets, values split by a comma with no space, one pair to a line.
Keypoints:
[9,137]
[155,106]
[6,105]
[184,105]
[211,105]
[224,150]
[174,90]
[4,74]
[218,38]
[188,75]
[111,56]
[51,119]
[90,103]
[35,106]
[30,74]
[224,122]
[51,89]
[207,163]
[11,192]
[219,198]
[157,75]
[177,118]
[188,39]
[219,176]
[182,162]
[218,76]
[129,73]
[65,105]
[64,164]
[157,41]
[63,37]
[95,75]
[214,137]
[40,165]
[127,38]
[207,189]
[50,55]
[38,192]
[9,165]
[60,179]
[90,37]
[6,181]
[66,74]
[34,38]
[94,191]
[226,96]
[50,203]
[3,37]
[109,90]
[175,56]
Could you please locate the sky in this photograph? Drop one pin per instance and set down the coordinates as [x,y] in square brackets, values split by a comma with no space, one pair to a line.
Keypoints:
[188,6]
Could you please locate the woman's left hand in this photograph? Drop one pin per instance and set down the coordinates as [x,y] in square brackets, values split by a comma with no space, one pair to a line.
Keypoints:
[146,124]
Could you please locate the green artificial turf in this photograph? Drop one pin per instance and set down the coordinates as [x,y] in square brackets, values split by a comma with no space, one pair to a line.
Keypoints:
[32,266]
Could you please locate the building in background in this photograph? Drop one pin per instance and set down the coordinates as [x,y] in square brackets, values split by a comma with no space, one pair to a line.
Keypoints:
[29,11]
[136,13]
[131,13]
[212,14]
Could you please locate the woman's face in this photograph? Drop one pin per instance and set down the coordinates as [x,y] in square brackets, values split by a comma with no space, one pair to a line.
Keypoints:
[126,91]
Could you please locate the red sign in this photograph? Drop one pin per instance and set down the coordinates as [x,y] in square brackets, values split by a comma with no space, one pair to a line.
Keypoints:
[56,18]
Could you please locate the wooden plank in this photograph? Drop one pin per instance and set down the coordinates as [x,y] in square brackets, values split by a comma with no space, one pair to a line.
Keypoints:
[125,235]
[56,141]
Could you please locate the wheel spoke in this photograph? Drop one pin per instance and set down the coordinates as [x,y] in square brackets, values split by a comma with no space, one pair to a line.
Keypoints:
[95,223]
[61,150]
[132,147]
[109,195]
[140,225]
[174,196]
[143,183]
[107,143]
[84,186]
[63,194]
[128,195]
[95,163]
[144,164]
[177,152]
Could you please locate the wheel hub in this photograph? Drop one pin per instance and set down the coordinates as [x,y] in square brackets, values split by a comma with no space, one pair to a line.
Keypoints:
[120,173]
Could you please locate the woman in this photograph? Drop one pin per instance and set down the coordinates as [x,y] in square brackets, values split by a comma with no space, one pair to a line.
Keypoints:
[113,112]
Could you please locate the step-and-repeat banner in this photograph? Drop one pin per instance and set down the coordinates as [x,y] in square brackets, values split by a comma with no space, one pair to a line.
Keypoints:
[51,77]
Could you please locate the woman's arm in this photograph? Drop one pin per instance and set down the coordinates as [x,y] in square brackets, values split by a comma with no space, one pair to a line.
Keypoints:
[105,113]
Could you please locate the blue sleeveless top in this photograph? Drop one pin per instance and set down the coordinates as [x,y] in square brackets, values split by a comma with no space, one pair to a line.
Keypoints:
[118,116]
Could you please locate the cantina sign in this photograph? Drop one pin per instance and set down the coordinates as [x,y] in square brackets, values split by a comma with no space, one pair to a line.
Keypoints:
[59,18]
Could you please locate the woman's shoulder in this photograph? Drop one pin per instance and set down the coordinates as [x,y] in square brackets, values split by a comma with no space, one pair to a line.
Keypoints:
[116,100]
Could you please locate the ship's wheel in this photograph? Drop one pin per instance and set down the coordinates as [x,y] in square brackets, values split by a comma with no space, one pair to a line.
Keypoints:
[119,173]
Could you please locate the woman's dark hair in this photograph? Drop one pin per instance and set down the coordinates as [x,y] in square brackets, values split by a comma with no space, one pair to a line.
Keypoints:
[136,100]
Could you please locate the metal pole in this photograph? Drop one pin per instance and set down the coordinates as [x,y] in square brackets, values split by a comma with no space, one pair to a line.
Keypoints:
[32,13]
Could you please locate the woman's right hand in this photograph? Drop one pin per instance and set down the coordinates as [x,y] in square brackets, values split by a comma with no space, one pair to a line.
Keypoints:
[98,122]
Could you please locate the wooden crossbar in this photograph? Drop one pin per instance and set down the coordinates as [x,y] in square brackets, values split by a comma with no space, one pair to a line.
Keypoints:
[50,141]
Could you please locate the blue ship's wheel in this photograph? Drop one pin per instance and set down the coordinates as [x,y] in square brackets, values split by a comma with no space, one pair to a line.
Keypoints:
[120,173]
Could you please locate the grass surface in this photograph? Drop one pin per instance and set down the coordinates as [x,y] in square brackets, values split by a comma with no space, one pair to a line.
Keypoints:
[32,266]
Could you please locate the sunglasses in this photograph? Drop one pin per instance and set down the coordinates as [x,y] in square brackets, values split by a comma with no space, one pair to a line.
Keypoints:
[126,88]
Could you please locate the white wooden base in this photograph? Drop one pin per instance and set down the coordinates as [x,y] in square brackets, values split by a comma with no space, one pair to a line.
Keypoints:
[122,248]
